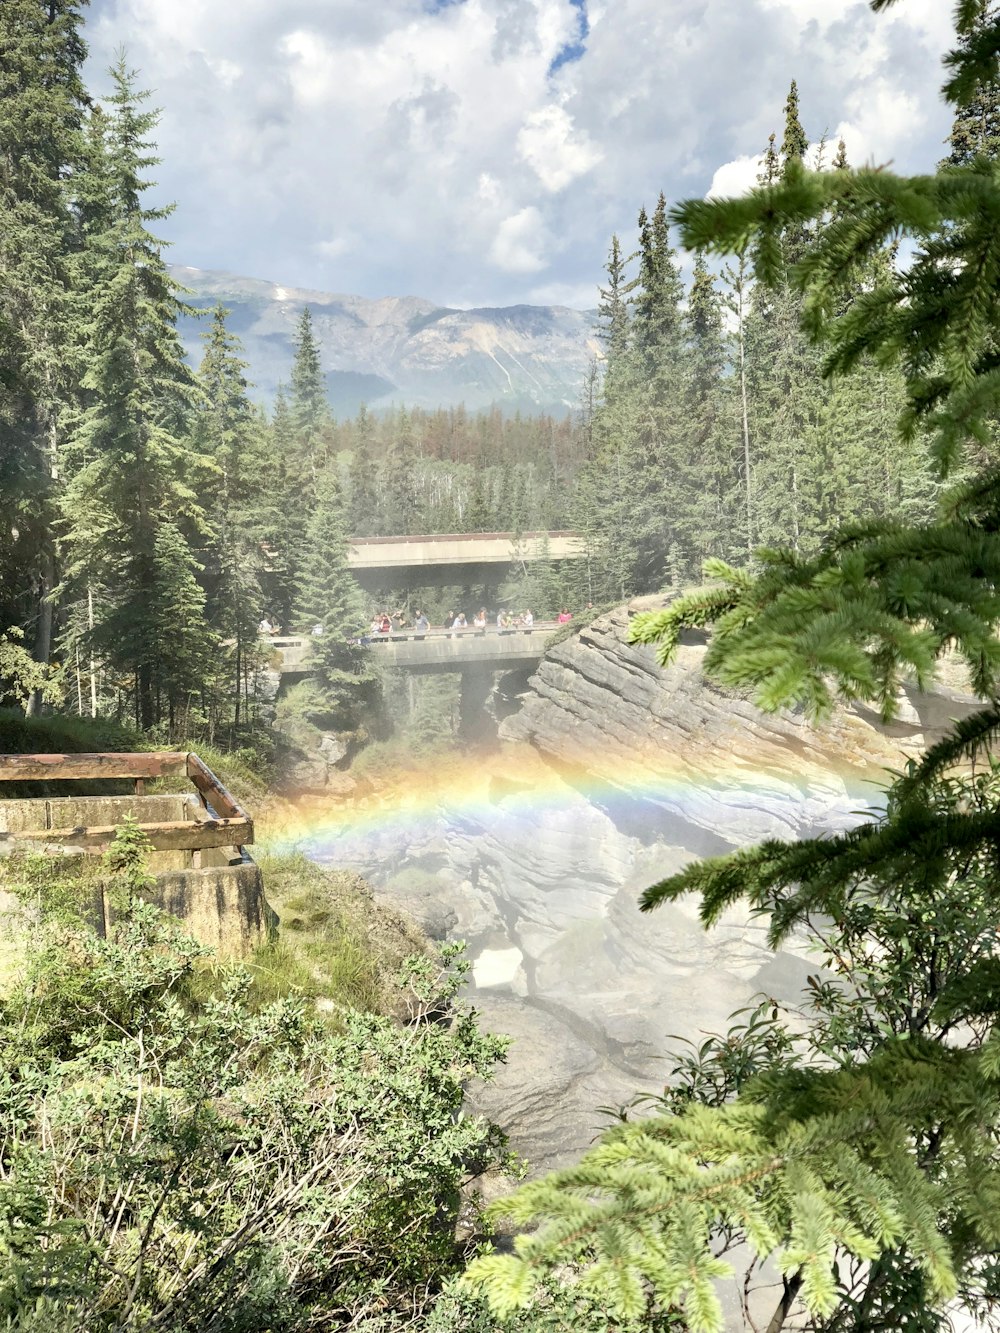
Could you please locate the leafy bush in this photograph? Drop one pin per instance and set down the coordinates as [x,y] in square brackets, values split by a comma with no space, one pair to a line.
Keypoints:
[220,1166]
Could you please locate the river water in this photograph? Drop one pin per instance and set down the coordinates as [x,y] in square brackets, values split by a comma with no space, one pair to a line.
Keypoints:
[539,870]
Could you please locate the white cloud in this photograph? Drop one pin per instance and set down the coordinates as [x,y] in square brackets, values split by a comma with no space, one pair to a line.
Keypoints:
[520,243]
[550,145]
[383,148]
[821,12]
[735,177]
[334,247]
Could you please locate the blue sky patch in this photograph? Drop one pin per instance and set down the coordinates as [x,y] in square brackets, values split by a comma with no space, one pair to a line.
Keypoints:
[574,50]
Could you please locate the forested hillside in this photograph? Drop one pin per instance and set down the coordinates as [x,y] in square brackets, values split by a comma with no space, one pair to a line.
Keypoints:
[153,513]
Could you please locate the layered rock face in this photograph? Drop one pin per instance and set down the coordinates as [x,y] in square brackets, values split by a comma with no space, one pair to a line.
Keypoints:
[614,774]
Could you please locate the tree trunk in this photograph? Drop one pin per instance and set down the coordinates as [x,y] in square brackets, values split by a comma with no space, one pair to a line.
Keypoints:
[43,639]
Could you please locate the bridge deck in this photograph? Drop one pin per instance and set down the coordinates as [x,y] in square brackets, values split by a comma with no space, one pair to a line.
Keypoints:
[435,649]
[461,548]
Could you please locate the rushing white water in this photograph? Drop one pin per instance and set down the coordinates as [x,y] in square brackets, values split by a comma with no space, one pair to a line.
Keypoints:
[541,878]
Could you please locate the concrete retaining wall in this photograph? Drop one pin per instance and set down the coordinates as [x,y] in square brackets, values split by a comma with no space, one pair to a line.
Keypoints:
[217,892]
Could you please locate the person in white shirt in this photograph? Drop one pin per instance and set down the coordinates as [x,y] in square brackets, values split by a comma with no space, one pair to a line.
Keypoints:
[527,620]
[265,626]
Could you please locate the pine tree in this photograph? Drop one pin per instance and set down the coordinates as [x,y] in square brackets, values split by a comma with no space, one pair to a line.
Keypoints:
[976,127]
[612,308]
[230,432]
[130,503]
[309,406]
[784,386]
[42,100]
[795,143]
[310,421]
[658,289]
[709,478]
[363,479]
[329,601]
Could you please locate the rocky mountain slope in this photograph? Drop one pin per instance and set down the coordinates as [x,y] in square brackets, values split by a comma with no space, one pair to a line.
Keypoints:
[404,349]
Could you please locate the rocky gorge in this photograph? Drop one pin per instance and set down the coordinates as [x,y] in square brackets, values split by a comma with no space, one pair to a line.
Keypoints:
[612,774]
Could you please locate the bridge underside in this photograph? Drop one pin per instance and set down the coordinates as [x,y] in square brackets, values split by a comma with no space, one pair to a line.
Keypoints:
[463,652]
[478,576]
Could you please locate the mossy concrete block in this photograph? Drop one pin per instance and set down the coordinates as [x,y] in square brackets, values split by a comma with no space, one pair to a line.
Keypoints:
[38,814]
[101,811]
[23,816]
[221,906]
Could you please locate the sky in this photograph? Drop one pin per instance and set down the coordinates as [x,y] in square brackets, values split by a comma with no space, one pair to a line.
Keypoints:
[482,152]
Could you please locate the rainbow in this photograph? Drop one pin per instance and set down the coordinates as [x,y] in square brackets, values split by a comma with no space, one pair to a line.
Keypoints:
[497,792]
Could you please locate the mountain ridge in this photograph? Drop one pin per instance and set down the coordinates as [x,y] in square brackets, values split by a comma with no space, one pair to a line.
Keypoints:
[402,350]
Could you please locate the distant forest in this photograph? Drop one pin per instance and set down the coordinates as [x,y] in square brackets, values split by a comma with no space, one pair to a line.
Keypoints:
[152,513]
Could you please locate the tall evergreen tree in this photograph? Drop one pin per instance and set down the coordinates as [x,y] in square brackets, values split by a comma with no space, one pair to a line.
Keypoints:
[331,608]
[708,475]
[363,481]
[976,127]
[309,406]
[612,308]
[42,102]
[658,289]
[795,143]
[785,387]
[240,502]
[130,504]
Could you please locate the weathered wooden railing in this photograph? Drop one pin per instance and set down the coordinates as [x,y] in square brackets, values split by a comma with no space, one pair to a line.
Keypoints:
[219,821]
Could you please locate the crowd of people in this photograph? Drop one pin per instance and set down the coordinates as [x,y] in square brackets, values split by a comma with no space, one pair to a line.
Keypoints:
[395,622]
[389,622]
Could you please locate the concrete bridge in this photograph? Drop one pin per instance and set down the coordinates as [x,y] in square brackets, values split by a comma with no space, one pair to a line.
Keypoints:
[476,654]
[454,558]
[435,650]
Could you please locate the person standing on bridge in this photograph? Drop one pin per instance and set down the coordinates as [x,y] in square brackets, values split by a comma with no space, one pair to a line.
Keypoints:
[421,624]
[479,620]
[527,620]
[460,621]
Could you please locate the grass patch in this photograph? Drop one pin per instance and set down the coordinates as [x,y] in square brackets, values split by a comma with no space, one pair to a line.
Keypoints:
[334,944]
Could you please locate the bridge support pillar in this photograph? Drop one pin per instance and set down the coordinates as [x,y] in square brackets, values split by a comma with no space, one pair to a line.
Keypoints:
[475,724]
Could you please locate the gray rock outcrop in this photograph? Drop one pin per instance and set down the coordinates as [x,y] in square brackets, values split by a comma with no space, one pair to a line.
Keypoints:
[613,774]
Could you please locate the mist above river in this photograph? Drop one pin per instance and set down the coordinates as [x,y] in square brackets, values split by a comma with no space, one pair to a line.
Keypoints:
[539,869]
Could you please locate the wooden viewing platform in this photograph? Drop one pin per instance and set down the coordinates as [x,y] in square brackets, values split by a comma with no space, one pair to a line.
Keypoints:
[213,817]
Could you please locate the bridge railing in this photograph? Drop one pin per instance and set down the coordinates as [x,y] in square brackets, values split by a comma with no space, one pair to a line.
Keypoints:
[299,641]
[214,818]
[462,632]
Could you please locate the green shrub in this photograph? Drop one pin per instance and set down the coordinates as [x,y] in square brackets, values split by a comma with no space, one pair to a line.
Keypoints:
[215,1164]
